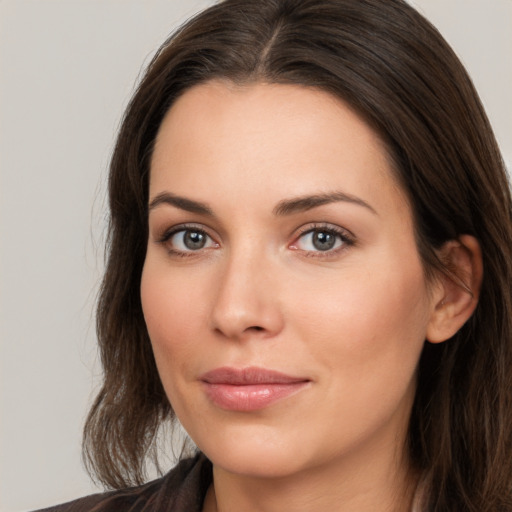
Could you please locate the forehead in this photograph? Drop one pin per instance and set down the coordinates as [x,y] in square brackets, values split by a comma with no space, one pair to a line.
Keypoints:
[268,137]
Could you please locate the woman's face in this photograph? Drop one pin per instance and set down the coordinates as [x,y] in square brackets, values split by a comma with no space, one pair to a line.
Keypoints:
[282,289]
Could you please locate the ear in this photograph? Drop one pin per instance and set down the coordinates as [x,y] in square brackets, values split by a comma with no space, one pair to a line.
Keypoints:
[456,292]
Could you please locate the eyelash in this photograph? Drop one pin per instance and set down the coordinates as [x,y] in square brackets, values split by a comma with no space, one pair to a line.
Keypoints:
[346,238]
[164,239]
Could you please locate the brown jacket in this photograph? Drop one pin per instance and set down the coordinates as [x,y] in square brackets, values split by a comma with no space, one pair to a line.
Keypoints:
[181,490]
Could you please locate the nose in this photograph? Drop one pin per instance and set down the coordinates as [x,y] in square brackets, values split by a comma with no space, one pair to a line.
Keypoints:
[247,301]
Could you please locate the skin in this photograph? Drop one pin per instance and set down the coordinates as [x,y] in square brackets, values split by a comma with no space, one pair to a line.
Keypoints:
[352,320]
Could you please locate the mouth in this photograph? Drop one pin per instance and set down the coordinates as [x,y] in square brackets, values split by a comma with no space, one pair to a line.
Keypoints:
[249,389]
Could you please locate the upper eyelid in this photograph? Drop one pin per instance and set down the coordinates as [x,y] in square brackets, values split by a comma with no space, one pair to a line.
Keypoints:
[165,240]
[327,226]
[166,233]
[347,238]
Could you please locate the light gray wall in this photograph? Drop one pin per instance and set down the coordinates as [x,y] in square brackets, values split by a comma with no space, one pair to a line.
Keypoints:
[67,68]
[480,31]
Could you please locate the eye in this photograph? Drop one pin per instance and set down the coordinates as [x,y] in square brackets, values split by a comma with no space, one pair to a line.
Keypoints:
[322,240]
[186,240]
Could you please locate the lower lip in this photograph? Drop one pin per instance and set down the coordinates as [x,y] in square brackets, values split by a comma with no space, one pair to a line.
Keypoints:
[250,397]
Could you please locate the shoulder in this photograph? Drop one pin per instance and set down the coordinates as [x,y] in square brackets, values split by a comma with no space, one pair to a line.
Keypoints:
[181,490]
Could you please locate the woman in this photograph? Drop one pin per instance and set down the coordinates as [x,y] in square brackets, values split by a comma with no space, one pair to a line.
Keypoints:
[310,267]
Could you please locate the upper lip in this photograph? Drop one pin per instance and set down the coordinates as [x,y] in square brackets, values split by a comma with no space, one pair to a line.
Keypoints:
[248,376]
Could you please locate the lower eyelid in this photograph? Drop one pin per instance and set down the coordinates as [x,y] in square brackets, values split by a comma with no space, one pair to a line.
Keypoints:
[343,235]
[174,249]
[344,240]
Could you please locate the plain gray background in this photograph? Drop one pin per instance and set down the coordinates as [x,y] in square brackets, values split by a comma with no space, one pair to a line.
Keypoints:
[67,69]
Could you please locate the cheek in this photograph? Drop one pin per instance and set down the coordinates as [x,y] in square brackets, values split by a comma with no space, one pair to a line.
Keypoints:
[174,311]
[373,320]
[365,335]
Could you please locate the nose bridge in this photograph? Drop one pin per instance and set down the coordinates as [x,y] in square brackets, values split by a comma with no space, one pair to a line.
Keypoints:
[246,300]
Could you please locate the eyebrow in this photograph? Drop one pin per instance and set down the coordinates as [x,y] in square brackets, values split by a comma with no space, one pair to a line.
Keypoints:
[283,208]
[182,203]
[305,203]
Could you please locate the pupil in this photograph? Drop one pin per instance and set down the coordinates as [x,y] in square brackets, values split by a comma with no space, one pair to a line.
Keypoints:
[194,240]
[323,241]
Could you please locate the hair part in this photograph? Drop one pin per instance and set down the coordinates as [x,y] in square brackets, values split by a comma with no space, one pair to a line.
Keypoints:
[393,67]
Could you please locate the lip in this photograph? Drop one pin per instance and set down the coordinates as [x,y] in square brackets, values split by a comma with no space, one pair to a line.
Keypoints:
[249,389]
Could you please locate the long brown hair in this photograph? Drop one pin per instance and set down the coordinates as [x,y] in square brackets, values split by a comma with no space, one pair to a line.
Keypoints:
[394,68]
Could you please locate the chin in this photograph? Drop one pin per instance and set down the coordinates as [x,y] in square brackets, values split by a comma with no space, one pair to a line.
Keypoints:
[259,454]
[255,463]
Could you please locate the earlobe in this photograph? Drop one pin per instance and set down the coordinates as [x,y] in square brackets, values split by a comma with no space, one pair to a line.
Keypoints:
[458,289]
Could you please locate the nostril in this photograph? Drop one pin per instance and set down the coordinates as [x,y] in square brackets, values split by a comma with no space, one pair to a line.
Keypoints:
[255,328]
